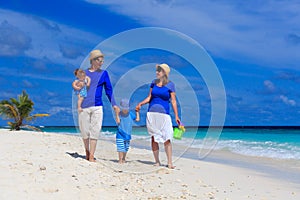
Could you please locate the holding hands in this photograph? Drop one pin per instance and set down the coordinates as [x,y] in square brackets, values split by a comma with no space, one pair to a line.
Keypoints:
[117,112]
[138,107]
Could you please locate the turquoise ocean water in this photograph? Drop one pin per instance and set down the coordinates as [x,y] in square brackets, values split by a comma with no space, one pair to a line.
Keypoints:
[270,142]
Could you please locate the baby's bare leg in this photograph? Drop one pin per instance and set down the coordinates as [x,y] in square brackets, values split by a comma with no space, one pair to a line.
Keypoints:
[79,102]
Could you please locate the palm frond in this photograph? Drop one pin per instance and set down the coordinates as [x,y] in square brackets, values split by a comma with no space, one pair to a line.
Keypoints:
[36,116]
[11,111]
[32,128]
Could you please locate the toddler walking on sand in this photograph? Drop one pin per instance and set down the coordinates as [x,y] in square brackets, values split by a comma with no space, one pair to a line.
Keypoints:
[124,119]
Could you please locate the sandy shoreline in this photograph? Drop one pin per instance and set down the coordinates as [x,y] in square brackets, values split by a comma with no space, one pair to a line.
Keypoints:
[51,166]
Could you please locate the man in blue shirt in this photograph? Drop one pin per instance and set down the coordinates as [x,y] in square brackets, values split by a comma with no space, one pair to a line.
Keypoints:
[91,117]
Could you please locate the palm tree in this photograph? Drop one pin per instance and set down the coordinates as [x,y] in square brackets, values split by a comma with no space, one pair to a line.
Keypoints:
[19,110]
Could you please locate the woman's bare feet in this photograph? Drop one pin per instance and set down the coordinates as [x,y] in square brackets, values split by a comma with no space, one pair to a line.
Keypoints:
[170,166]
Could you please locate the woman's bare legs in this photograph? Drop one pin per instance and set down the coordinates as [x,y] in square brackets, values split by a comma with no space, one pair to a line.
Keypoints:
[155,149]
[168,150]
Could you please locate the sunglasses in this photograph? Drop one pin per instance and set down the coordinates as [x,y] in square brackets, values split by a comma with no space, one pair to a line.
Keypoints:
[159,69]
[99,59]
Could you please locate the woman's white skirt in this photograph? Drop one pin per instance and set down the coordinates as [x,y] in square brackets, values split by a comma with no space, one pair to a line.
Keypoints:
[160,126]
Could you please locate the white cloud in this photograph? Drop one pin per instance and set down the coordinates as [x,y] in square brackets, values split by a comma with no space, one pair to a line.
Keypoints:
[287,101]
[269,86]
[60,110]
[16,73]
[7,94]
[226,28]
[12,40]
[27,84]
[41,38]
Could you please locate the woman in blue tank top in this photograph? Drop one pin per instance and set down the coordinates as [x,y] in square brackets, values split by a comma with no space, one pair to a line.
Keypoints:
[159,123]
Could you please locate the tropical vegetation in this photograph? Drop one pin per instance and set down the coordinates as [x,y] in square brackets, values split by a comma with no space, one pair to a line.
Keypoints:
[19,110]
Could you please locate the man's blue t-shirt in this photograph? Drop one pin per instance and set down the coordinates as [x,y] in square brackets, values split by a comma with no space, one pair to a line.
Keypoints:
[160,98]
[125,126]
[99,79]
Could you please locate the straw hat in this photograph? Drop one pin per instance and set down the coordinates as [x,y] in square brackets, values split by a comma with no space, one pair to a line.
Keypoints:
[95,53]
[165,67]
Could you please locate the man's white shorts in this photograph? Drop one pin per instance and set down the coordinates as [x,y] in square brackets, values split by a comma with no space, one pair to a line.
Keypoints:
[90,122]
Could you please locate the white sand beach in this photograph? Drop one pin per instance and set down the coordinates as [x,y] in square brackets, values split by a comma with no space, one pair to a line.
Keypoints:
[38,165]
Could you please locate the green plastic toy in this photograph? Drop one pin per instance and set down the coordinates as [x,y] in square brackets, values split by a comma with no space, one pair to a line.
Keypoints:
[178,132]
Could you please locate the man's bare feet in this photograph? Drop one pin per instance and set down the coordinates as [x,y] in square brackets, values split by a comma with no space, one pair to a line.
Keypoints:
[91,158]
[157,164]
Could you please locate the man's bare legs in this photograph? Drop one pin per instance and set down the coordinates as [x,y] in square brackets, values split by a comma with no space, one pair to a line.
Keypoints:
[86,143]
[155,149]
[93,144]
[90,148]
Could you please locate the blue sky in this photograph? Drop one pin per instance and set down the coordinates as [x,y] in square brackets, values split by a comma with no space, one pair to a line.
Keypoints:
[255,46]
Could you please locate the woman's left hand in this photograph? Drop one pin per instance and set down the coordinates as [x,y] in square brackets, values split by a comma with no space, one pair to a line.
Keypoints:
[138,107]
[178,121]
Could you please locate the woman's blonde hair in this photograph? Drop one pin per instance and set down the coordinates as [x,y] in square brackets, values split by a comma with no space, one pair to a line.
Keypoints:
[165,80]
